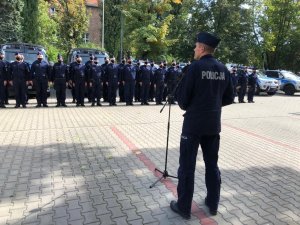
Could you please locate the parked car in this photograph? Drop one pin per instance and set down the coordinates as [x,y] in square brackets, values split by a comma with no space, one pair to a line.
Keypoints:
[266,84]
[84,53]
[30,55]
[288,81]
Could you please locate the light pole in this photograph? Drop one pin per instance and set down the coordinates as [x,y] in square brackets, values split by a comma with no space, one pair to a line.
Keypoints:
[103,24]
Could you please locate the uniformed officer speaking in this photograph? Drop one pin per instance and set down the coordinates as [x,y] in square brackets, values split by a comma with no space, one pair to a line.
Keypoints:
[203,91]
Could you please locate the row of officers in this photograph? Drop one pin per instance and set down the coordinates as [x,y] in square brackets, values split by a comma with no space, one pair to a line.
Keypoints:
[141,83]
[244,82]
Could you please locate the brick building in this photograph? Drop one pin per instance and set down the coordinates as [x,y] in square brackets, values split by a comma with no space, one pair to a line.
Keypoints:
[95,24]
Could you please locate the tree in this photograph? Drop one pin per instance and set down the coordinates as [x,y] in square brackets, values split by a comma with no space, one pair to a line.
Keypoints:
[73,22]
[10,20]
[30,24]
[147,28]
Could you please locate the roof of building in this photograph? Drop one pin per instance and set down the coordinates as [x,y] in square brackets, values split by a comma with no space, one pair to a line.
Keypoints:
[92,3]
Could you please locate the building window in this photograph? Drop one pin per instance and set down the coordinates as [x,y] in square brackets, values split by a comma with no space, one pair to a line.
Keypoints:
[86,38]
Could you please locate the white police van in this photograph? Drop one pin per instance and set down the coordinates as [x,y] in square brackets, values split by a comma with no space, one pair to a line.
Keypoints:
[266,84]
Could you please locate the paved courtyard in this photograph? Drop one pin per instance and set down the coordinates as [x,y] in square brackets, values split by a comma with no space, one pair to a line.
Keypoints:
[94,165]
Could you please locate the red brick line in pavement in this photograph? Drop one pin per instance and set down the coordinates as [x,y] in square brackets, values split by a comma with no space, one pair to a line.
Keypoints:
[262,137]
[196,211]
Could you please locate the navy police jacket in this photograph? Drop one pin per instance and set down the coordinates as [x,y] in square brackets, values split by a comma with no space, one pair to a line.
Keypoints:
[59,71]
[4,66]
[202,92]
[78,71]
[19,71]
[145,73]
[129,73]
[252,79]
[111,73]
[97,74]
[40,70]
[159,76]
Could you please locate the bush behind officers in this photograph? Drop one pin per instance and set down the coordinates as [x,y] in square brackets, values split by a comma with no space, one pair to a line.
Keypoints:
[202,92]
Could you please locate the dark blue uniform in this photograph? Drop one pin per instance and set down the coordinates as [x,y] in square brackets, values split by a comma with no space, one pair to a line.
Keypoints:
[234,81]
[129,77]
[158,80]
[165,69]
[88,68]
[171,80]
[203,91]
[145,79]
[152,89]
[104,87]
[20,73]
[121,68]
[72,64]
[79,78]
[4,76]
[96,79]
[112,78]
[40,72]
[60,78]
[241,85]
[137,89]
[252,79]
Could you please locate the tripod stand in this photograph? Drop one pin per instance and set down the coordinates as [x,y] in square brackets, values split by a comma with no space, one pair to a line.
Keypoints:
[169,101]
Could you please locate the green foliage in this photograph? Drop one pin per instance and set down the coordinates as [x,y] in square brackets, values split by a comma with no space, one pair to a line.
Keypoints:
[73,22]
[10,20]
[30,25]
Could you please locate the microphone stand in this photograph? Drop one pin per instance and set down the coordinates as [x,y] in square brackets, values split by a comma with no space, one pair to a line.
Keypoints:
[164,173]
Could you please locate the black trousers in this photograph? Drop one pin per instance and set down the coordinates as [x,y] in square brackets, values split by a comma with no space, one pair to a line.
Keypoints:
[20,91]
[189,145]
[145,91]
[112,92]
[159,92]
[2,93]
[137,92]
[80,91]
[129,91]
[96,92]
[242,93]
[151,92]
[41,86]
[171,86]
[251,92]
[105,92]
[60,88]
[121,92]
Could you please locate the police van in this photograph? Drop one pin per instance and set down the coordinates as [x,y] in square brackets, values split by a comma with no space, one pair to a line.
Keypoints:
[30,55]
[85,53]
[266,84]
[289,82]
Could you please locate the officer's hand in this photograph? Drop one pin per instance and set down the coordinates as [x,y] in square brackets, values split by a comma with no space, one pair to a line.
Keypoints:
[73,84]
[27,83]
[85,83]
[91,84]
[11,83]
[5,83]
[67,83]
[154,85]
[141,83]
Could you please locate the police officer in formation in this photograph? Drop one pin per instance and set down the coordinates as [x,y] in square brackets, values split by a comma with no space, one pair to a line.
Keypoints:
[72,64]
[137,89]
[129,77]
[40,72]
[165,69]
[159,84]
[4,77]
[202,92]
[171,79]
[105,89]
[242,84]
[234,80]
[60,79]
[112,81]
[79,80]
[19,78]
[88,68]
[121,68]
[152,89]
[96,77]
[252,78]
[145,81]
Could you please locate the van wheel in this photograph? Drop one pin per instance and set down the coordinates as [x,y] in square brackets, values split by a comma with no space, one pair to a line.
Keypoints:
[289,89]
[271,93]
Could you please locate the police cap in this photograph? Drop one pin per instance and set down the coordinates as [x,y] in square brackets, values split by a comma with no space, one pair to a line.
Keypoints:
[208,39]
